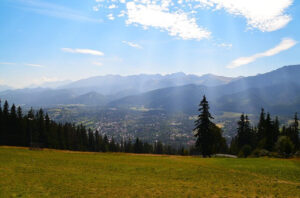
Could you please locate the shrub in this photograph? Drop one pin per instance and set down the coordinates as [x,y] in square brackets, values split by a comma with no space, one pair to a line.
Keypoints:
[284,146]
[260,153]
[245,151]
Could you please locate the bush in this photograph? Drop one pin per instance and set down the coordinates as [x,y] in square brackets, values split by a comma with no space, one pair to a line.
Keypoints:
[245,151]
[284,146]
[260,153]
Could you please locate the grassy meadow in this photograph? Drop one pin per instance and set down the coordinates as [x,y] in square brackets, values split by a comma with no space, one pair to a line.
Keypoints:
[52,173]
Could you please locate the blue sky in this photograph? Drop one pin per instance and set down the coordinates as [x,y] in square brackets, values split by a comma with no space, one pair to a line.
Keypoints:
[44,41]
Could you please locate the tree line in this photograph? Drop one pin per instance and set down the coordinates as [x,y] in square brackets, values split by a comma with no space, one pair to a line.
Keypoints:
[267,136]
[36,130]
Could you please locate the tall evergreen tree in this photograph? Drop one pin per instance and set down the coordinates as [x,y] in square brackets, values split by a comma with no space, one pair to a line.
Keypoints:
[91,140]
[294,134]
[1,125]
[261,126]
[206,130]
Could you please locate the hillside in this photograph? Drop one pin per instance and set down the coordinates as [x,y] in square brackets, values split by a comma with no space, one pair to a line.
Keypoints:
[278,91]
[103,89]
[81,174]
[134,84]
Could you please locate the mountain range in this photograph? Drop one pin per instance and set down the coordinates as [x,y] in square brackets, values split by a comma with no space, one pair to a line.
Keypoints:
[278,91]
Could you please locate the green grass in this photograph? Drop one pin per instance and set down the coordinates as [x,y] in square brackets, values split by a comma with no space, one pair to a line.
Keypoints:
[51,173]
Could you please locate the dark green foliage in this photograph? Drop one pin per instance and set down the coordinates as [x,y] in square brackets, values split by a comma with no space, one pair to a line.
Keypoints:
[36,129]
[245,151]
[245,135]
[265,137]
[209,136]
[284,146]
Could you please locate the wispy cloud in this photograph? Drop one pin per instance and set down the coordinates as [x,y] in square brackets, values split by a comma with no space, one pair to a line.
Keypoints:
[6,63]
[284,45]
[55,10]
[225,45]
[34,65]
[97,63]
[111,17]
[26,64]
[83,51]
[131,44]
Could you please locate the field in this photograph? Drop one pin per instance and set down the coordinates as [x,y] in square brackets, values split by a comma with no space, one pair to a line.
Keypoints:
[51,173]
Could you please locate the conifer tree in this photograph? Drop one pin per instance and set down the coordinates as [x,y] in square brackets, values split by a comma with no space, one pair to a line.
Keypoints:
[294,134]
[97,141]
[91,145]
[1,125]
[261,125]
[208,134]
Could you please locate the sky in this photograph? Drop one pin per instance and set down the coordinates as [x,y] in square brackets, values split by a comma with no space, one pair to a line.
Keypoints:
[45,41]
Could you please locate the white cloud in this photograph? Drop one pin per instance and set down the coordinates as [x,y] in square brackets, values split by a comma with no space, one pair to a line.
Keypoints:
[33,65]
[83,51]
[135,45]
[122,13]
[265,15]
[179,18]
[112,6]
[111,17]
[176,24]
[225,45]
[284,45]
[96,8]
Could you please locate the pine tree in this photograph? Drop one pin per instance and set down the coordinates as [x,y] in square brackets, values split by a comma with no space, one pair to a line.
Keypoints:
[91,140]
[206,131]
[245,134]
[41,128]
[138,146]
[105,144]
[5,114]
[158,148]
[97,141]
[269,133]
[1,125]
[21,132]
[261,126]
[294,134]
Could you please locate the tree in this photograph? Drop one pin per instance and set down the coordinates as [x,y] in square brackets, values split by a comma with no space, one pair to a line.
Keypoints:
[105,144]
[269,133]
[261,131]
[284,146]
[207,133]
[245,151]
[1,125]
[97,141]
[5,118]
[294,132]
[91,137]
[158,148]
[21,128]
[138,146]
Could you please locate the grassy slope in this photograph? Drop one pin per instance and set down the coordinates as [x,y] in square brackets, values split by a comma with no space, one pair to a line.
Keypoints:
[51,173]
